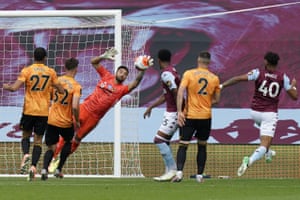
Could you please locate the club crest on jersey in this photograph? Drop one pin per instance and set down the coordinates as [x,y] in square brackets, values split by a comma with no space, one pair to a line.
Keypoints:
[102,84]
[108,87]
[168,83]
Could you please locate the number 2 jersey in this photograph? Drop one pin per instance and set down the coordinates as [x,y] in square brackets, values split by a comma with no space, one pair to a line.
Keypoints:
[38,80]
[201,85]
[268,85]
[61,110]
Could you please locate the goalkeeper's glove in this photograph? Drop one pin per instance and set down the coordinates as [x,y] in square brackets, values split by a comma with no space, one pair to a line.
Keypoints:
[143,62]
[109,54]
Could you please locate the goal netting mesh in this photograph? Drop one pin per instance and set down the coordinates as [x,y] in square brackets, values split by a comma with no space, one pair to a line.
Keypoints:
[67,34]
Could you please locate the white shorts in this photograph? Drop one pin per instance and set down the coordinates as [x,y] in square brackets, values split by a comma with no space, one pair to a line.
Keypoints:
[169,123]
[266,121]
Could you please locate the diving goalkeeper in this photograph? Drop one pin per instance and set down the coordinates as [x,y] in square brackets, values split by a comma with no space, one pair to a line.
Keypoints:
[109,90]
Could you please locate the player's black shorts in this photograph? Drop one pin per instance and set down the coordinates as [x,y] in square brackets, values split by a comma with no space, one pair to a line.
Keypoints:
[53,133]
[200,128]
[37,124]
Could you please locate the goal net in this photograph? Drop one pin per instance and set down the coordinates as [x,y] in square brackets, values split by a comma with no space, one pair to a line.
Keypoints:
[112,149]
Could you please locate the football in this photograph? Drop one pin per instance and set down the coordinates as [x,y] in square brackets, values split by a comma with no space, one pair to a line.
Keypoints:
[143,62]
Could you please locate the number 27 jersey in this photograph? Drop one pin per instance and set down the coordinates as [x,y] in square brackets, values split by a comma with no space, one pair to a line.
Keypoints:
[38,79]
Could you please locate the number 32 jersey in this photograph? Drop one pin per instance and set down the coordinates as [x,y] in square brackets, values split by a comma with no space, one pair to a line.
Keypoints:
[61,110]
[268,85]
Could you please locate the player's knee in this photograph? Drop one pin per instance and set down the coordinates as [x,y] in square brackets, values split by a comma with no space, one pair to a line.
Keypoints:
[158,140]
[164,149]
[76,139]
[26,134]
[202,146]
[202,142]
[183,146]
[38,142]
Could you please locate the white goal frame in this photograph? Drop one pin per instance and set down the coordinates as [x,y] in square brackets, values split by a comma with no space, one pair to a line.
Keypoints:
[117,13]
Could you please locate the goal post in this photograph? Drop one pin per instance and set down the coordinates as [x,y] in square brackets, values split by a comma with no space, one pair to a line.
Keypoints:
[82,34]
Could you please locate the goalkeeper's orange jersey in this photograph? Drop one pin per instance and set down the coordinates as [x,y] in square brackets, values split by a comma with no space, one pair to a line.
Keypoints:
[106,94]
[61,113]
[38,79]
[201,85]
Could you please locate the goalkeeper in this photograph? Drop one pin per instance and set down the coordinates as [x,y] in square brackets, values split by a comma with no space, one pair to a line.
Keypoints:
[109,90]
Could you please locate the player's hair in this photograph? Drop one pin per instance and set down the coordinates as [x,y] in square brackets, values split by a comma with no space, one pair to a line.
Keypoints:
[272,58]
[205,54]
[123,67]
[164,55]
[71,63]
[204,57]
[39,54]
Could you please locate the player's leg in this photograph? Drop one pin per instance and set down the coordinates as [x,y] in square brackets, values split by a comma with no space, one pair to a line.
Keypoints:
[87,124]
[267,131]
[268,122]
[26,124]
[167,154]
[203,128]
[186,132]
[67,134]
[25,144]
[39,130]
[55,160]
[51,138]
[59,147]
[162,141]
[269,155]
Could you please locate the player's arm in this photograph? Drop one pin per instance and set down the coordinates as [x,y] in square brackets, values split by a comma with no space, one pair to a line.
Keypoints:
[136,81]
[234,80]
[156,103]
[59,87]
[216,98]
[291,89]
[109,54]
[75,106]
[179,104]
[75,109]
[217,93]
[13,87]
[141,65]
[250,76]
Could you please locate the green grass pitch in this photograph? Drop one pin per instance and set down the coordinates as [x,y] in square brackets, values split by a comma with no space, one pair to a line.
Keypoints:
[12,188]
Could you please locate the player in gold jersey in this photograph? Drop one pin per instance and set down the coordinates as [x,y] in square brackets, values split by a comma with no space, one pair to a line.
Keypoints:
[202,91]
[64,109]
[38,80]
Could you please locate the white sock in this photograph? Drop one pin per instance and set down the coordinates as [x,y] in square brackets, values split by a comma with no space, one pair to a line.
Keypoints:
[257,154]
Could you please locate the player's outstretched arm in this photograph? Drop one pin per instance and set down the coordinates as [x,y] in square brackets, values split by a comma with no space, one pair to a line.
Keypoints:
[13,87]
[142,65]
[137,80]
[109,54]
[234,80]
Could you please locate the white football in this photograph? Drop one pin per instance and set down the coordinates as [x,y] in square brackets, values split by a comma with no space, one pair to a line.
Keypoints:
[141,62]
